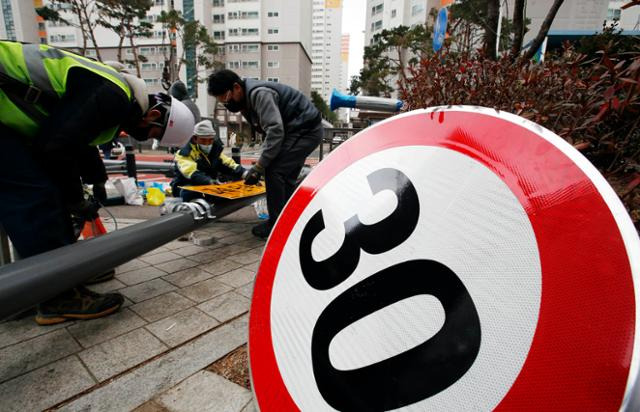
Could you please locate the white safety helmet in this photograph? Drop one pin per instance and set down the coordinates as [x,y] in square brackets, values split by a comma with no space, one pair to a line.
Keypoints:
[178,126]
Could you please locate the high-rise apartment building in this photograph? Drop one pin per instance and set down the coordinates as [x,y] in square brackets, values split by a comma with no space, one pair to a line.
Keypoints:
[18,21]
[628,19]
[344,63]
[326,34]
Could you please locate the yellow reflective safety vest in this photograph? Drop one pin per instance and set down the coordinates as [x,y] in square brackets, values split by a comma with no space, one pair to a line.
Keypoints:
[43,69]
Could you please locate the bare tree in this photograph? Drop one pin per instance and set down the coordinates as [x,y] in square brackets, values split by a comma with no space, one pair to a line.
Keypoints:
[86,13]
[491,32]
[519,13]
[544,29]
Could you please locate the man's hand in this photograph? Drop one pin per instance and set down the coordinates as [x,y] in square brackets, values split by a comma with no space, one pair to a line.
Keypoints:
[252,176]
[84,209]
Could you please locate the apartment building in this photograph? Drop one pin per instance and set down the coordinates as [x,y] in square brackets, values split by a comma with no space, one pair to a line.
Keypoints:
[386,14]
[344,63]
[18,21]
[628,19]
[326,46]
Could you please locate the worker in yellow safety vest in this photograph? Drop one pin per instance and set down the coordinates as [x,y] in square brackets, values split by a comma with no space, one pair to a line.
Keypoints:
[53,103]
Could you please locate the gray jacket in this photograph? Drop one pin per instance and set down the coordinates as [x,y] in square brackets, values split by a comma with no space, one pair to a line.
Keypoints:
[281,114]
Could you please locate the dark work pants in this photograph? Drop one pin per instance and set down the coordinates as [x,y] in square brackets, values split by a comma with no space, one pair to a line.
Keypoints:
[31,210]
[283,171]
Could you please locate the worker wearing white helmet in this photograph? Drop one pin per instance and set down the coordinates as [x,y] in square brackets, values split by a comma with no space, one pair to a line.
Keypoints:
[53,103]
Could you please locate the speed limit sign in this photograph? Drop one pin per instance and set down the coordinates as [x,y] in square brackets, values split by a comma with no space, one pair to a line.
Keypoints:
[453,258]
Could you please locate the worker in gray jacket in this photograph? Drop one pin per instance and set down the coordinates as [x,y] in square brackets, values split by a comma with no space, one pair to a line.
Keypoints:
[290,124]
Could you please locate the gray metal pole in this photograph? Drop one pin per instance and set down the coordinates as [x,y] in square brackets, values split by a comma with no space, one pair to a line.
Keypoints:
[28,282]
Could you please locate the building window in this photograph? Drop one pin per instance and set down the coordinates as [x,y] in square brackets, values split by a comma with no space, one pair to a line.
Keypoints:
[613,14]
[273,47]
[62,38]
[152,82]
[233,48]
[218,18]
[273,31]
[233,65]
[250,64]
[218,3]
[393,13]
[272,14]
[418,8]
[158,2]
[218,35]
[273,79]
[376,25]
[273,65]
[233,32]
[250,48]
[377,9]
[250,32]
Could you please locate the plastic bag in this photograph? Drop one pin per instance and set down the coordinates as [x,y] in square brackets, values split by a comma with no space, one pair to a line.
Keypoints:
[155,196]
[127,188]
[261,209]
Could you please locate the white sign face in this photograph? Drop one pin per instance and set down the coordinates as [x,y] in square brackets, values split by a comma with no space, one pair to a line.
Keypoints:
[465,228]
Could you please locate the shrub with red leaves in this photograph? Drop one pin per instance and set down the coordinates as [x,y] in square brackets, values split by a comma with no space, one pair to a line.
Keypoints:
[593,104]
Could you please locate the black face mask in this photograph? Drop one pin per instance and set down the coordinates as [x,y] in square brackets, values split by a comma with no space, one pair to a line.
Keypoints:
[233,106]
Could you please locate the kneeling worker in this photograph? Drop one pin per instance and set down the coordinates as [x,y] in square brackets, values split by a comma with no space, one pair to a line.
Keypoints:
[201,161]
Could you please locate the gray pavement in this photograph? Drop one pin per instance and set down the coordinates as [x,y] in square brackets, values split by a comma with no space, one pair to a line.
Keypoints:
[186,307]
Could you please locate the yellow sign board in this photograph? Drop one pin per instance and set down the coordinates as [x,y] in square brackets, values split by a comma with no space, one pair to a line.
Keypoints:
[233,190]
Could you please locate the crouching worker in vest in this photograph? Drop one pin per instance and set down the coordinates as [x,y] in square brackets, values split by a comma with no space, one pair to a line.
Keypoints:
[201,162]
[52,104]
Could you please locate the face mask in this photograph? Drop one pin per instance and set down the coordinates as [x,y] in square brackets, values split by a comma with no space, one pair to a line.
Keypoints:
[206,148]
[233,106]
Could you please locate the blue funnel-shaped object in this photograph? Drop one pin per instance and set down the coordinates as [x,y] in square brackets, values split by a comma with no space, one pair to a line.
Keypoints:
[379,104]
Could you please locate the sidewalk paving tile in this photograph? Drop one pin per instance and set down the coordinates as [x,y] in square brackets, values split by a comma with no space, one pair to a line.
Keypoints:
[204,290]
[188,277]
[225,307]
[162,306]
[155,251]
[176,265]
[147,290]
[205,391]
[160,257]
[192,249]
[251,407]
[238,237]
[252,267]
[131,265]
[220,266]
[95,331]
[182,326]
[108,286]
[248,257]
[231,250]
[140,275]
[209,256]
[23,357]
[44,387]
[246,290]
[14,331]
[176,244]
[237,278]
[252,243]
[117,355]
[130,390]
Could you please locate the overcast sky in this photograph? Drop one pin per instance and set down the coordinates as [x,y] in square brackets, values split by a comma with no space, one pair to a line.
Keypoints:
[353,18]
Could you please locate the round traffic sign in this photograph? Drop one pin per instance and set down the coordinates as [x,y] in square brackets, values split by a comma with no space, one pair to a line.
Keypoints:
[453,258]
[440,29]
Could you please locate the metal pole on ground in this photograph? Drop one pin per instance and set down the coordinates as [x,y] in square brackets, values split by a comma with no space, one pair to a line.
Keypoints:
[30,281]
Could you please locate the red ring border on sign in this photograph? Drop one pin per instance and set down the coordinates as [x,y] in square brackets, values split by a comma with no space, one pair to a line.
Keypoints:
[584,354]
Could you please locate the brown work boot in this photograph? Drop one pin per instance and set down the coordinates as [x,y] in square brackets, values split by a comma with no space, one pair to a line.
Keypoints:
[108,275]
[78,303]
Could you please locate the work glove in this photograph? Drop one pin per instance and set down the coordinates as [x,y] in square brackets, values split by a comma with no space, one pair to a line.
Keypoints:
[252,176]
[84,209]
